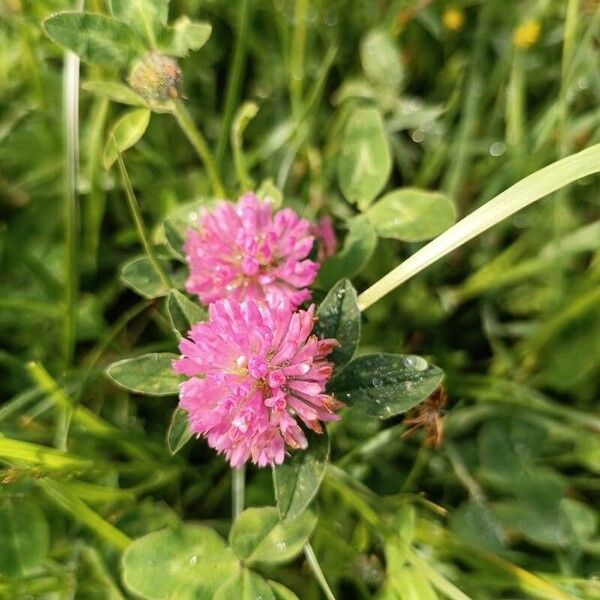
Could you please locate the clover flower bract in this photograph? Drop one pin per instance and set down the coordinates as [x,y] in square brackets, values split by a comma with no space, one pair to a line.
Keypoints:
[255,370]
[245,252]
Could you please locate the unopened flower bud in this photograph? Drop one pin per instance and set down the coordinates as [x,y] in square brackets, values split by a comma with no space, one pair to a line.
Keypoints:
[157,78]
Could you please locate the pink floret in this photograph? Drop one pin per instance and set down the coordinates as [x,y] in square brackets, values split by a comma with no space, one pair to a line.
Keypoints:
[245,252]
[255,371]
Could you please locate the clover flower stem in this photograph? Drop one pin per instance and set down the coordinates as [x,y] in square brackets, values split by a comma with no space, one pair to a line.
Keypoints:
[136,215]
[523,193]
[315,567]
[238,477]
[185,121]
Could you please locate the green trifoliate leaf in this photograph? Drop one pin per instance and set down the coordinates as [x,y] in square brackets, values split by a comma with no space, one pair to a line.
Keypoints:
[339,318]
[365,163]
[95,38]
[258,535]
[151,374]
[412,215]
[384,385]
[298,479]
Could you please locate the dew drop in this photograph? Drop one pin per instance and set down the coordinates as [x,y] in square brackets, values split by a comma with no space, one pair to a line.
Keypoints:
[418,135]
[376,381]
[281,546]
[497,149]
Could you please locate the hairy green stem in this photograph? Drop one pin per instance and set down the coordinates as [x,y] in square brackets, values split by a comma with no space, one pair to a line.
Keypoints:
[136,215]
[315,567]
[197,140]
[238,476]
[235,76]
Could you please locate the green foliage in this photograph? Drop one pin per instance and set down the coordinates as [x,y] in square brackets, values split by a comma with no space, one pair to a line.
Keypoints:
[382,115]
[183,313]
[126,132]
[24,538]
[178,433]
[94,38]
[358,248]
[411,215]
[259,536]
[364,163]
[339,319]
[196,559]
[298,479]
[385,385]
[150,374]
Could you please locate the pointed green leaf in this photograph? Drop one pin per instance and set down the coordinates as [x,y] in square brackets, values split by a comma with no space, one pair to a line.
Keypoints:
[178,434]
[281,592]
[384,385]
[150,374]
[175,236]
[115,91]
[298,479]
[359,246]
[267,190]
[183,312]
[339,318]
[24,537]
[412,215]
[245,585]
[259,536]
[126,132]
[365,164]
[94,38]
[191,561]
[185,36]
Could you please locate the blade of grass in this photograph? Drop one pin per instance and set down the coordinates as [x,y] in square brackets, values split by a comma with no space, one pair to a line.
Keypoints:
[235,76]
[84,514]
[71,209]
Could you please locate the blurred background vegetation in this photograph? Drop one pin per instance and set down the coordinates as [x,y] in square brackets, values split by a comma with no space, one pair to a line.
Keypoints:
[485,92]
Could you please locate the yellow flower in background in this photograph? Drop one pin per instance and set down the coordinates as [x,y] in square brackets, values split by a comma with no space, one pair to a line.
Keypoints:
[453,19]
[526,34]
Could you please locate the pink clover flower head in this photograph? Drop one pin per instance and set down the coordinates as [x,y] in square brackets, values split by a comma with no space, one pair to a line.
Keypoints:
[255,371]
[326,238]
[245,252]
